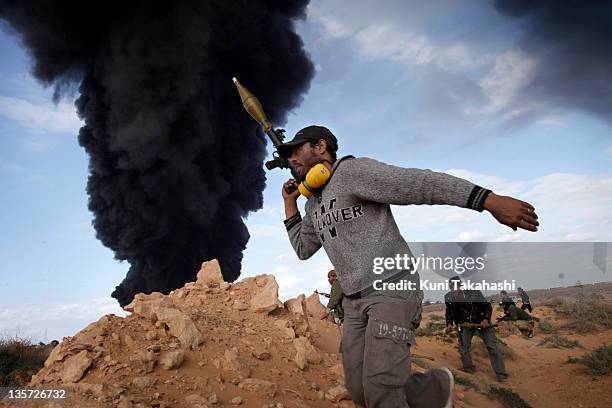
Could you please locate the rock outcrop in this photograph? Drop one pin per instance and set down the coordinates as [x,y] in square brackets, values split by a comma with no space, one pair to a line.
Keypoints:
[207,344]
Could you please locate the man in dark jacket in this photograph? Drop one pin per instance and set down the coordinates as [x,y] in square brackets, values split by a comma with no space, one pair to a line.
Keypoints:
[470,311]
[525,298]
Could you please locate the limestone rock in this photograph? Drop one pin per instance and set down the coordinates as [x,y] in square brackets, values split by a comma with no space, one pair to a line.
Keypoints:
[337,393]
[266,298]
[196,401]
[57,354]
[240,305]
[338,371]
[261,386]
[231,362]
[237,401]
[285,328]
[314,308]
[297,305]
[75,366]
[97,390]
[143,382]
[180,325]
[261,353]
[146,305]
[305,353]
[210,274]
[172,359]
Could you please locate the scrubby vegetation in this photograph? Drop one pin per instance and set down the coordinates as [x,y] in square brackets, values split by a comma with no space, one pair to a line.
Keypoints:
[599,361]
[583,315]
[509,398]
[19,360]
[556,341]
[431,328]
[545,327]
[466,382]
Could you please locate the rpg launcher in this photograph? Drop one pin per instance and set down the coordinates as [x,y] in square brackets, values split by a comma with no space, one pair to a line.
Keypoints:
[253,106]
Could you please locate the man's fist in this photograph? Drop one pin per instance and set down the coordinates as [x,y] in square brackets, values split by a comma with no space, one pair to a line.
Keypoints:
[512,212]
[290,190]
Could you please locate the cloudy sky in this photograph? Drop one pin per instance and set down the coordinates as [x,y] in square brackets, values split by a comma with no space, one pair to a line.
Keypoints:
[513,99]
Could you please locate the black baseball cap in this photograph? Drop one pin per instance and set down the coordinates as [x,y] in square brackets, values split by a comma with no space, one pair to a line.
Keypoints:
[309,133]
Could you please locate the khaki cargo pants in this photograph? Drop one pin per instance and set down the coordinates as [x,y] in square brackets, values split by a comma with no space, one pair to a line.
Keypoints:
[378,333]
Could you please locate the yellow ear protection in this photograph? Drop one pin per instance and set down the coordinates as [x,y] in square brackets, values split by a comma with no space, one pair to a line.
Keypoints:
[316,178]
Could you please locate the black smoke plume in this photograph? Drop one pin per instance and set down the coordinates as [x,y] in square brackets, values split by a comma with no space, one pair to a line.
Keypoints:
[571,42]
[175,161]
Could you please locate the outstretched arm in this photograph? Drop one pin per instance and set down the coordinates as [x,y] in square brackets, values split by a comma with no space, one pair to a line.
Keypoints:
[380,182]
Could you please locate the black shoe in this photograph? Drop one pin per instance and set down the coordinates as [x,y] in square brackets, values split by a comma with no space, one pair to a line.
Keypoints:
[469,370]
[502,377]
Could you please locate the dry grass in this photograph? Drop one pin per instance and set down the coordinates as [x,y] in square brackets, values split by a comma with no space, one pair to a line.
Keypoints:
[556,341]
[584,315]
[19,360]
[508,398]
[431,328]
[599,361]
[545,327]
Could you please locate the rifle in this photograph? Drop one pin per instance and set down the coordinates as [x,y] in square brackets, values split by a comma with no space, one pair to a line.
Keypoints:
[322,294]
[475,326]
[277,136]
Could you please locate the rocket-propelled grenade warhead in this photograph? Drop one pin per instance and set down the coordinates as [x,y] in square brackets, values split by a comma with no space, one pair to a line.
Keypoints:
[252,105]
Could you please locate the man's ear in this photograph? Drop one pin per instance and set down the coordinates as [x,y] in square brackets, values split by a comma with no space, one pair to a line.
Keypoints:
[321,146]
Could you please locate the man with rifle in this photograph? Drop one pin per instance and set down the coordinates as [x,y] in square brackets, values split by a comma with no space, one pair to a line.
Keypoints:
[335,295]
[471,313]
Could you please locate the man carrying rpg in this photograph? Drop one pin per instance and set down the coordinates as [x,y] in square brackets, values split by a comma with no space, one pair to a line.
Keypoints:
[350,217]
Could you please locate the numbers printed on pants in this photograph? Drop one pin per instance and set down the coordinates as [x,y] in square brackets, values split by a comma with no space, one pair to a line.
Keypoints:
[393,331]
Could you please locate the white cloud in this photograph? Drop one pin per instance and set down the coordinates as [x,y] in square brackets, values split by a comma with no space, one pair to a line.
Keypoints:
[471,236]
[512,72]
[41,117]
[44,322]
[571,207]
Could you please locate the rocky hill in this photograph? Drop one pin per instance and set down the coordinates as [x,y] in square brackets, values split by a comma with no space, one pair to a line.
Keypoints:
[208,344]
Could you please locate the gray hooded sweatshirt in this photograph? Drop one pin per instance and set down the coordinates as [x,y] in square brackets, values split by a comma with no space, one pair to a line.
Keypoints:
[352,220]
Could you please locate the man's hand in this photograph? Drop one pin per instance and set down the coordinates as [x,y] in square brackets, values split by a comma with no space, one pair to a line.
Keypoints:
[484,324]
[512,212]
[290,190]
[290,195]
